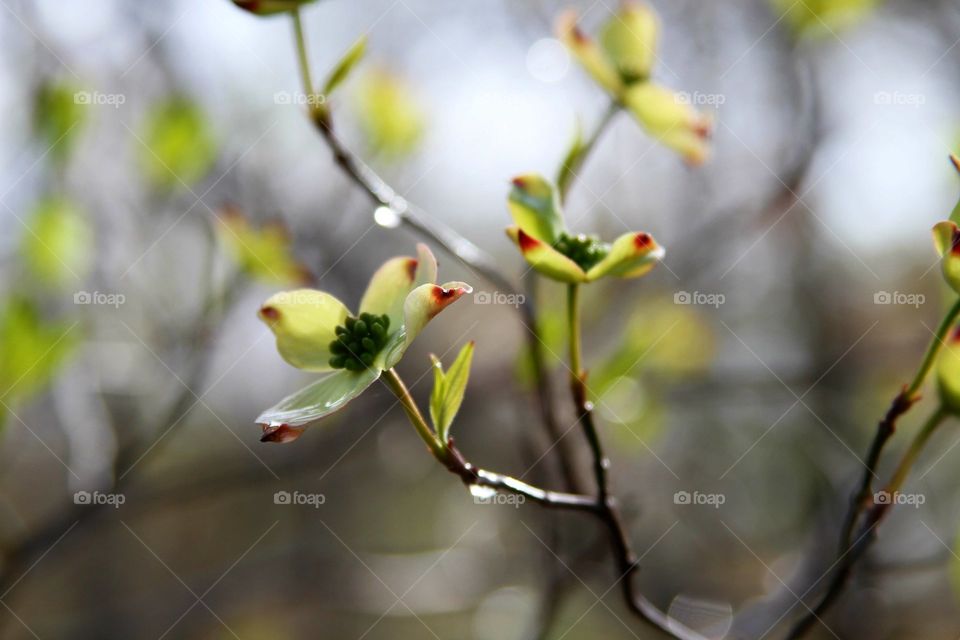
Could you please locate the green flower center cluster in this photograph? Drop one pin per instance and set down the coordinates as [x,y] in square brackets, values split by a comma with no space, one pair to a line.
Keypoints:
[358,342]
[585,250]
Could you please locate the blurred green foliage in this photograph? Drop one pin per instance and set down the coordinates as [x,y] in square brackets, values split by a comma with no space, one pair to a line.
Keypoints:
[57,246]
[390,118]
[31,350]
[58,116]
[261,252]
[180,147]
[823,17]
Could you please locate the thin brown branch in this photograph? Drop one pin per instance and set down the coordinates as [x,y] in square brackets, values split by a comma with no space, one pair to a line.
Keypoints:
[474,258]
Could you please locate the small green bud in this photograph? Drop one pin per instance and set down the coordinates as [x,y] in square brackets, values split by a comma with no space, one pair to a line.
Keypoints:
[630,41]
[359,341]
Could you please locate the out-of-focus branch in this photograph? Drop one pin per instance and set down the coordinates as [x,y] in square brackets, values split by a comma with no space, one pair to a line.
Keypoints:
[607,510]
[18,555]
[867,532]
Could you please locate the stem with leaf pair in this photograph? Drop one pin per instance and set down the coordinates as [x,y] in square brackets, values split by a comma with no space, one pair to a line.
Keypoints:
[449,456]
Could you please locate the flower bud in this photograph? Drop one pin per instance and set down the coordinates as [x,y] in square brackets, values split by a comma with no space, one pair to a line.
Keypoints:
[269,7]
[630,40]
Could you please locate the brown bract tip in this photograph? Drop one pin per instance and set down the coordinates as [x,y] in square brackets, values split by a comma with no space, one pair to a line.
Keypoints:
[230,211]
[578,35]
[643,241]
[412,268]
[519,183]
[955,334]
[956,161]
[443,296]
[955,241]
[270,314]
[305,276]
[280,433]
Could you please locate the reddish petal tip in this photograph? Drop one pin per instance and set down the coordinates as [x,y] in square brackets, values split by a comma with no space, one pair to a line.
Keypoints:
[280,433]
[643,241]
[412,268]
[956,161]
[526,242]
[519,183]
[269,314]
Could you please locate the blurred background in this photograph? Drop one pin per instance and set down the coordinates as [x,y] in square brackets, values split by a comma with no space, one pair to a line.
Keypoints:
[140,141]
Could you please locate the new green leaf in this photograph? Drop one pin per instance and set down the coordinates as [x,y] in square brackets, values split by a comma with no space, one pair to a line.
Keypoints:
[448,390]
[346,65]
